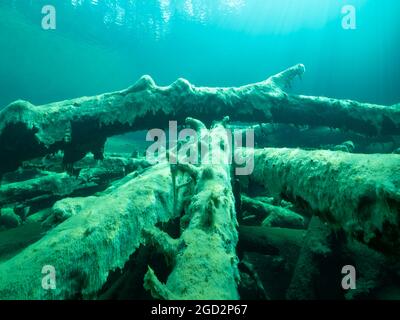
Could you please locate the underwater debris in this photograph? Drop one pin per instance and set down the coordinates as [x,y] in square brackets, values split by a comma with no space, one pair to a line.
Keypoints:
[28,131]
[271,215]
[356,192]
[47,186]
[8,219]
[205,262]
[92,243]
[318,246]
[97,219]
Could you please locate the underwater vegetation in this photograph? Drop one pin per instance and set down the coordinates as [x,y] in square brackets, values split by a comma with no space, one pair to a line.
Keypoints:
[105,225]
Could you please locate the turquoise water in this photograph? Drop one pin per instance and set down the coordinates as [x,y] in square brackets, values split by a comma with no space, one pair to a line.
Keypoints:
[84,203]
[105,45]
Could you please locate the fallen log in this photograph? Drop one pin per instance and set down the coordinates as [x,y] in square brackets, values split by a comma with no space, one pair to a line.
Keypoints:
[286,243]
[374,270]
[14,241]
[204,261]
[306,281]
[271,215]
[274,252]
[356,192]
[318,273]
[99,238]
[82,125]
[275,135]
[48,187]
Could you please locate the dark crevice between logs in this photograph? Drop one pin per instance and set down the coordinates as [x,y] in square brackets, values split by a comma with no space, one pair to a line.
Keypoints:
[127,284]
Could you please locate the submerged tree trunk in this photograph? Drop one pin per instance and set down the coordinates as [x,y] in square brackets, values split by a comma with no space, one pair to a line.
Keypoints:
[47,185]
[359,193]
[82,125]
[204,256]
[100,235]
[90,237]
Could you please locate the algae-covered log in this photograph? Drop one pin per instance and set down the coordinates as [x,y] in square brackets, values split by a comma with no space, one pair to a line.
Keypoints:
[272,241]
[306,282]
[47,187]
[99,238]
[204,256]
[360,193]
[271,215]
[276,135]
[81,125]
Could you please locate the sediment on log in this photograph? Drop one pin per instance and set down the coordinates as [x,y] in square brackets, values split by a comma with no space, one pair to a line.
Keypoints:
[82,125]
[359,193]
[204,256]
[100,237]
